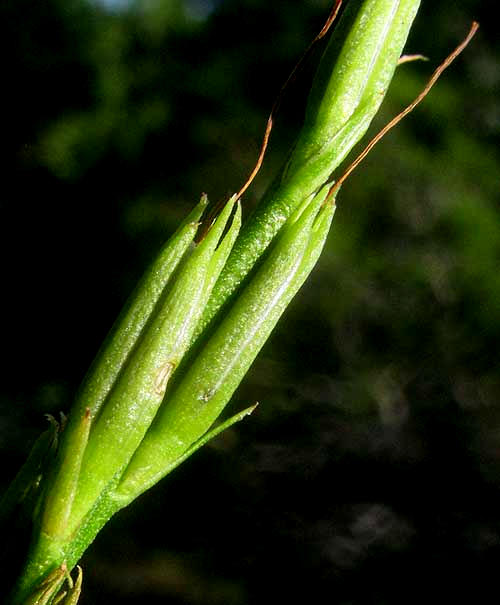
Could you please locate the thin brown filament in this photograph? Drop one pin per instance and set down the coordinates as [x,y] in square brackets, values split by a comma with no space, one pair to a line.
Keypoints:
[433,79]
[270,120]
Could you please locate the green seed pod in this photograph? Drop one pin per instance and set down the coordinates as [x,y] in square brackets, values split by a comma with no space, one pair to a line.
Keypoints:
[140,387]
[362,53]
[217,370]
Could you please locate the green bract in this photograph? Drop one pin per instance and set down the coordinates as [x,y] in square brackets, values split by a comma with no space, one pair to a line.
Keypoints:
[193,327]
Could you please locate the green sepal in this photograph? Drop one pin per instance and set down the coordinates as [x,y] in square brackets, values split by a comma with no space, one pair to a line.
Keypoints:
[223,250]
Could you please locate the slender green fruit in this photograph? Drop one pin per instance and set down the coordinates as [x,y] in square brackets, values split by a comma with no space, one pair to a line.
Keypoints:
[363,51]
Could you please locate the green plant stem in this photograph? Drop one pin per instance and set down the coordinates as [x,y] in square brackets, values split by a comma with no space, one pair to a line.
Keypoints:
[47,553]
[351,82]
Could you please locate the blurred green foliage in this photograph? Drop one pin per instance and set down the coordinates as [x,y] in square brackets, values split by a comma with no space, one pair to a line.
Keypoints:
[370,472]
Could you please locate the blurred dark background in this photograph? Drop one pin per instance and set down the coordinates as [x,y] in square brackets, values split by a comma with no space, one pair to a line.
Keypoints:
[370,473]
